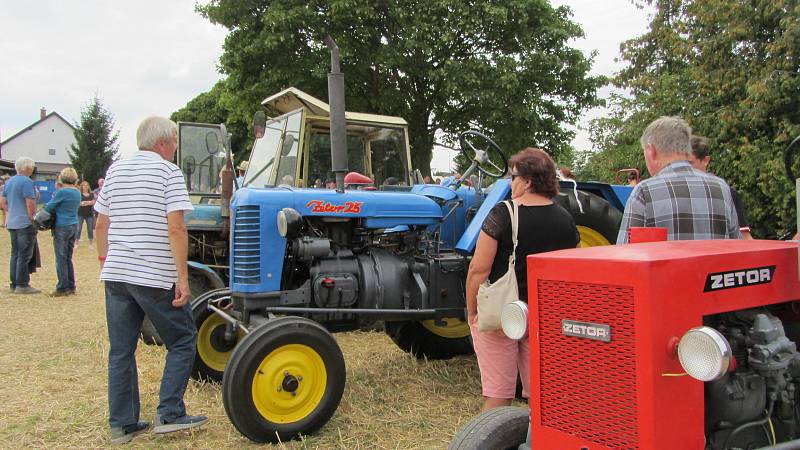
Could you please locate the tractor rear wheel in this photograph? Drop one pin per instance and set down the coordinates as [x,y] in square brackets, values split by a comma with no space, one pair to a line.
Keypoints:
[426,339]
[199,285]
[213,350]
[285,378]
[599,222]
[497,429]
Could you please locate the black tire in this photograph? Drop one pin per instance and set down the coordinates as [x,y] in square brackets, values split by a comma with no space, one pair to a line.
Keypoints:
[497,429]
[198,284]
[283,354]
[418,339]
[213,351]
[599,222]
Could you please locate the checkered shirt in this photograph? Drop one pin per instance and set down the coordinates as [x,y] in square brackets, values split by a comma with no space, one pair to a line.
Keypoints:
[689,203]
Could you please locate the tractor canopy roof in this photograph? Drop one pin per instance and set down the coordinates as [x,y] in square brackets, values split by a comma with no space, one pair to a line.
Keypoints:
[295,147]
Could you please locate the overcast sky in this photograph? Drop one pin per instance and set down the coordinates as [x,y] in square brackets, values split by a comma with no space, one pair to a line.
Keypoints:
[151,57]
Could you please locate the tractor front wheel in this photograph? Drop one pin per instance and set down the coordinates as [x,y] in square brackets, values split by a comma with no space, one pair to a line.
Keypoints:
[427,339]
[497,429]
[213,348]
[285,378]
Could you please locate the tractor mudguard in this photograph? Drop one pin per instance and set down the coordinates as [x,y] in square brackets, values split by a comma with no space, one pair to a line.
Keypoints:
[499,191]
[214,280]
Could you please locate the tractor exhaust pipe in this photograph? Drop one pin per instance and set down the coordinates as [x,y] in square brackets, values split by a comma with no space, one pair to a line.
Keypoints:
[338,124]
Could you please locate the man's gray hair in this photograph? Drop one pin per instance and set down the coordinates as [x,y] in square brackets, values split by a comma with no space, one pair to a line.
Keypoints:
[668,135]
[23,163]
[153,129]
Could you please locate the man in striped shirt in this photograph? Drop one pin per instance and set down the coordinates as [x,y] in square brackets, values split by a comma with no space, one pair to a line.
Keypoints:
[689,203]
[142,245]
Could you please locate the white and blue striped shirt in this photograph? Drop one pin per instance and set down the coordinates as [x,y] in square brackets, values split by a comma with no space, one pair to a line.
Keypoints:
[138,193]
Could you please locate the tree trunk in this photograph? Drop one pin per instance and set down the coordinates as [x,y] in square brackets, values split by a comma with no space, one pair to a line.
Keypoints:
[421,138]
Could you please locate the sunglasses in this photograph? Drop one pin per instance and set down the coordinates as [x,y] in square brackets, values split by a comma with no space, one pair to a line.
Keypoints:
[514,176]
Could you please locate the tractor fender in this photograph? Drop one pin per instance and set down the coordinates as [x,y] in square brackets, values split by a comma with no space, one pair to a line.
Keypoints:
[213,279]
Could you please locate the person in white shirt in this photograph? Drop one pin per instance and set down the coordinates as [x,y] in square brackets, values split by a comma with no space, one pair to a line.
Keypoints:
[142,245]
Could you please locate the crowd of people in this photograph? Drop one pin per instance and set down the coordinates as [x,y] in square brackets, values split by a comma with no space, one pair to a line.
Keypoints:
[69,206]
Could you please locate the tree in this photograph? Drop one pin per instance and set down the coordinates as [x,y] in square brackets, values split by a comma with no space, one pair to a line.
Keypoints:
[729,68]
[504,67]
[96,142]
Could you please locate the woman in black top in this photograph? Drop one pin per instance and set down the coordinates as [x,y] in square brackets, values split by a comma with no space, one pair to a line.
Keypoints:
[543,226]
[85,212]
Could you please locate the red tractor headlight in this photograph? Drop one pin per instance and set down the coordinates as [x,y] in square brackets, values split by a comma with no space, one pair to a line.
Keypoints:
[704,353]
[514,319]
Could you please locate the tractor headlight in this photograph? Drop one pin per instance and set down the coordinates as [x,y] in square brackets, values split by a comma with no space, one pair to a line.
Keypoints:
[704,353]
[514,319]
[289,222]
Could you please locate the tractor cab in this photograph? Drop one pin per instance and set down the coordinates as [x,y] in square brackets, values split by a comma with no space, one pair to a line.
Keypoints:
[201,156]
[294,148]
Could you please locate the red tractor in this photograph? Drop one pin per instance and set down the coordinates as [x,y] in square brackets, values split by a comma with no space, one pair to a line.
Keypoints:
[664,345]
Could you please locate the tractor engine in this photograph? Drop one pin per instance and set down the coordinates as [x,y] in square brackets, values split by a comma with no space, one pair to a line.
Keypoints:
[343,265]
[764,377]
[665,345]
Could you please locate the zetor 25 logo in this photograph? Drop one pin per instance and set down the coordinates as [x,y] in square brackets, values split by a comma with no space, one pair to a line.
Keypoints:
[739,278]
[318,206]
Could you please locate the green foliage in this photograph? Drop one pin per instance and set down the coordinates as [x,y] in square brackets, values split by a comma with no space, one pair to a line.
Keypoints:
[96,142]
[504,67]
[730,69]
[207,108]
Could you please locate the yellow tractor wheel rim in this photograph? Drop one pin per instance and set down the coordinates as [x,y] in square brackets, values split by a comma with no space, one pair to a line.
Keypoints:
[212,357]
[591,238]
[289,383]
[454,328]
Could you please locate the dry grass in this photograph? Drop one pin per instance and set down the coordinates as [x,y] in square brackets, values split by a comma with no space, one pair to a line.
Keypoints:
[53,367]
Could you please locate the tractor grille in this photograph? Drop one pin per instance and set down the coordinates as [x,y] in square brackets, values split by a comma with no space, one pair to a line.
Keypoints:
[588,388]
[247,245]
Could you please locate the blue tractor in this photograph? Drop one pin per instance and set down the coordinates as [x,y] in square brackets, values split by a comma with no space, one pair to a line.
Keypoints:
[308,261]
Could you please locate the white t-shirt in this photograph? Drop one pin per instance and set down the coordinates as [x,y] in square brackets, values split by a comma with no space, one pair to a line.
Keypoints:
[137,195]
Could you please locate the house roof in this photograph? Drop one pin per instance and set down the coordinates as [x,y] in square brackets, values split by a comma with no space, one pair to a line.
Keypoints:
[292,98]
[30,127]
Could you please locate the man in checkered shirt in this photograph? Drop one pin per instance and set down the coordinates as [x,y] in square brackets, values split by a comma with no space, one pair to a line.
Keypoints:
[689,203]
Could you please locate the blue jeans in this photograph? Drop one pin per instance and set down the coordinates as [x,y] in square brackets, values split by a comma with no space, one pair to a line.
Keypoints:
[126,306]
[89,227]
[63,244]
[22,242]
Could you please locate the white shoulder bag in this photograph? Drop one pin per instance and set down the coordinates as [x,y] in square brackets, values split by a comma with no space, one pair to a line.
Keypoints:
[492,297]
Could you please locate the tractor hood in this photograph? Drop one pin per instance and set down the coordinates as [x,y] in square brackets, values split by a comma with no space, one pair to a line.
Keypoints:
[380,209]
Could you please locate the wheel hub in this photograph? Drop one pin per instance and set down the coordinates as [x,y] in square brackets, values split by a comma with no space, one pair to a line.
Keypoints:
[290,383]
[218,341]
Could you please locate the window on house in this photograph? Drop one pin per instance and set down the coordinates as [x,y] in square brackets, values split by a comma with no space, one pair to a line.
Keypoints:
[52,152]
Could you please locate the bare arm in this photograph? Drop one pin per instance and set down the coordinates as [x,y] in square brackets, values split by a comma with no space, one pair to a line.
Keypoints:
[179,245]
[479,269]
[31,204]
[101,235]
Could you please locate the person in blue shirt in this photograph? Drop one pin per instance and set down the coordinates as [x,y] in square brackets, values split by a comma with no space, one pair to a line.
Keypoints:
[64,204]
[19,200]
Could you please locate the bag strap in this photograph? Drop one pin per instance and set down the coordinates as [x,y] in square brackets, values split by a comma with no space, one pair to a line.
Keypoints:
[514,213]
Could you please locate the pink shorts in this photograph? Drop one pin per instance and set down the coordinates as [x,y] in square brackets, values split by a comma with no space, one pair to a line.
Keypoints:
[500,359]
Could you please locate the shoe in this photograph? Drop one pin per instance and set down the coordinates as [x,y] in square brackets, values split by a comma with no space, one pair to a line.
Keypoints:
[26,290]
[123,435]
[59,293]
[70,291]
[183,422]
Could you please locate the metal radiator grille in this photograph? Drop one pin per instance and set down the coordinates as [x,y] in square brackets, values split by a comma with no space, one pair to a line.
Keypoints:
[587,387]
[246,245]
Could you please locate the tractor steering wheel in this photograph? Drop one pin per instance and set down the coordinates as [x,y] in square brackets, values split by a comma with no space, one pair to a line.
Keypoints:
[481,153]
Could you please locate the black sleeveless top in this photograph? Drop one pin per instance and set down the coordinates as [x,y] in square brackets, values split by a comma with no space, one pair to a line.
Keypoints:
[86,211]
[541,229]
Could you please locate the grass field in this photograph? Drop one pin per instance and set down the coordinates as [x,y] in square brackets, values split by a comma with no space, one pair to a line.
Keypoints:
[53,367]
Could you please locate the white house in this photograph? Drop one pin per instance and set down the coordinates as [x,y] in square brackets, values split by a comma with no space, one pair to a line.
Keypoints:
[46,141]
